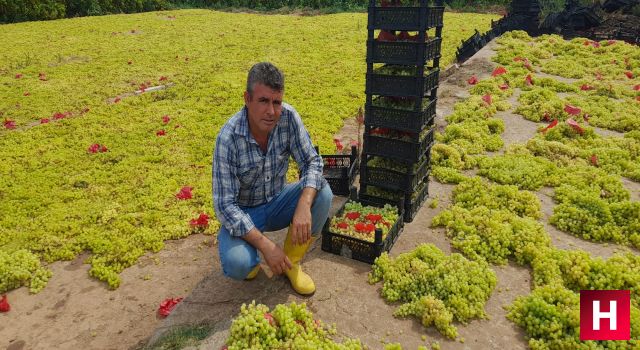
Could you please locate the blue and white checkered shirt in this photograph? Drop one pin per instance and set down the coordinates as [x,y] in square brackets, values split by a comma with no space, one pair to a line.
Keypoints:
[245,177]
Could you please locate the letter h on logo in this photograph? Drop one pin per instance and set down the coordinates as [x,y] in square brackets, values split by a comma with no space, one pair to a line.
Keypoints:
[593,317]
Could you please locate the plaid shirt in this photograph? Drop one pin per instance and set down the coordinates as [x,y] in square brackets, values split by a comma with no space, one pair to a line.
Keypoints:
[243,176]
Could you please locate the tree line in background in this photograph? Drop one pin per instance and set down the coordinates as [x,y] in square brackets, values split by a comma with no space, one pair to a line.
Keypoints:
[33,10]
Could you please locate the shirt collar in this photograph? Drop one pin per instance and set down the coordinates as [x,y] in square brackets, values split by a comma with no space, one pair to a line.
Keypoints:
[242,127]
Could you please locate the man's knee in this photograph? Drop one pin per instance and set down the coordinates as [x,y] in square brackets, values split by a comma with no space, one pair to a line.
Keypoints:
[320,210]
[237,263]
[324,196]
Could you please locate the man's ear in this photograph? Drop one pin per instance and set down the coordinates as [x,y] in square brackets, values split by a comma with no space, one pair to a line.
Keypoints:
[247,97]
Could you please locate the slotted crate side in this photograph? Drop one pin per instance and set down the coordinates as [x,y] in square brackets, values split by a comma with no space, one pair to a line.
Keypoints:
[358,249]
[398,85]
[394,179]
[403,52]
[340,171]
[405,18]
[408,151]
[399,119]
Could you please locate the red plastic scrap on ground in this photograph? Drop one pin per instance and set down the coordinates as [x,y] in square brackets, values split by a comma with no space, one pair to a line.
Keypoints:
[637,87]
[504,86]
[528,80]
[167,306]
[9,124]
[473,80]
[487,99]
[201,221]
[572,123]
[4,304]
[498,71]
[572,110]
[594,160]
[551,125]
[629,74]
[185,193]
[586,87]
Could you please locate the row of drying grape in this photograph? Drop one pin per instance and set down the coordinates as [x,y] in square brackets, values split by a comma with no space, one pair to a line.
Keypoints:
[434,287]
[285,327]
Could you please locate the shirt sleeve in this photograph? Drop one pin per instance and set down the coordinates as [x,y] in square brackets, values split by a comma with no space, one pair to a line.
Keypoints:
[226,187]
[309,161]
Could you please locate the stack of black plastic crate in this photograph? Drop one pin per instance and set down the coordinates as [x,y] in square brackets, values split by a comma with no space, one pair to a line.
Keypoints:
[401,89]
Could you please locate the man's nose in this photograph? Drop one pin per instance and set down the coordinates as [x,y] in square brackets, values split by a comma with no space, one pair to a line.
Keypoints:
[271,109]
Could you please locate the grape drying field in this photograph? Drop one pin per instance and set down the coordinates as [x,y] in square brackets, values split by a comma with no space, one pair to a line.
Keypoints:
[109,123]
[106,143]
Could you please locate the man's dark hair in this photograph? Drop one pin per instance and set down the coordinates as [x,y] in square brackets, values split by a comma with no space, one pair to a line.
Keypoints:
[267,74]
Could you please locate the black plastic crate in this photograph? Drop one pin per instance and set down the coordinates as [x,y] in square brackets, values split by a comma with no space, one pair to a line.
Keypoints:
[340,170]
[400,119]
[403,52]
[410,203]
[397,180]
[405,18]
[354,248]
[404,150]
[402,85]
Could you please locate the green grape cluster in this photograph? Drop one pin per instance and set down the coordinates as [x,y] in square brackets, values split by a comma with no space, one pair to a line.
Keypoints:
[431,312]
[22,268]
[525,171]
[476,192]
[446,156]
[447,175]
[540,102]
[433,286]
[595,205]
[285,327]
[550,316]
[493,235]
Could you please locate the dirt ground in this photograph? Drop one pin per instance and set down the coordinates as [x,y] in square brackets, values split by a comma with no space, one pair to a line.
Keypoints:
[75,311]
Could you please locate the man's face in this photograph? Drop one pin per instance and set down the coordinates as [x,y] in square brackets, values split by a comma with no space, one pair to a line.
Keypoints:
[264,106]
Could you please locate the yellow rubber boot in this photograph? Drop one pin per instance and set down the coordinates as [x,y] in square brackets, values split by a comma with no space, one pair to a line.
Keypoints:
[253,273]
[300,281]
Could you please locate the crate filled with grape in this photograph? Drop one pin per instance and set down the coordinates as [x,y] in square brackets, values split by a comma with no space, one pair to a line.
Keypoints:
[394,175]
[400,113]
[391,49]
[411,201]
[402,81]
[404,15]
[362,232]
[397,144]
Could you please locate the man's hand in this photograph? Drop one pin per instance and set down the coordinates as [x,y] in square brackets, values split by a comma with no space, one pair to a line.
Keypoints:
[301,222]
[273,255]
[276,259]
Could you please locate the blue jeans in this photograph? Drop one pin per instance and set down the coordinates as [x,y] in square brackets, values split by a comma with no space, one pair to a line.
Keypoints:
[238,257]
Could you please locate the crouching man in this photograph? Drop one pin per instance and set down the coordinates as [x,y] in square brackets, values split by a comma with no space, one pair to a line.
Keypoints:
[250,163]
